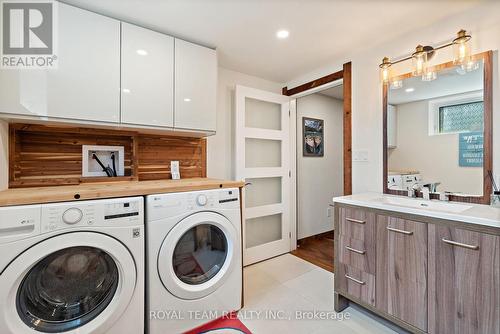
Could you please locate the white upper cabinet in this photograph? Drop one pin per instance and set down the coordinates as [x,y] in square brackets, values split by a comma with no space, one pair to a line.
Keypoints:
[147,71]
[195,87]
[85,85]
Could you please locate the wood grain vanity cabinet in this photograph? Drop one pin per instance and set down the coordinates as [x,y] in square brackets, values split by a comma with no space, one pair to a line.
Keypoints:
[356,253]
[402,269]
[464,281]
[425,274]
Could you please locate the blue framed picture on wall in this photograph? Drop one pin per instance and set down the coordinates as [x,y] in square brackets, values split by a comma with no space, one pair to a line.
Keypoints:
[470,149]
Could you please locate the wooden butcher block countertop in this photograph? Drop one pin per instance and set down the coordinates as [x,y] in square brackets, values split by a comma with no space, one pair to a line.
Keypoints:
[87,191]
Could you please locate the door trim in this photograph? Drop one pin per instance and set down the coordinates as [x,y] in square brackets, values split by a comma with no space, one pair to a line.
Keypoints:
[346,75]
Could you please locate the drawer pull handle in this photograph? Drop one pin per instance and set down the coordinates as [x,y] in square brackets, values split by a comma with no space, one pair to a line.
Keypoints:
[459,244]
[399,231]
[355,250]
[354,280]
[355,221]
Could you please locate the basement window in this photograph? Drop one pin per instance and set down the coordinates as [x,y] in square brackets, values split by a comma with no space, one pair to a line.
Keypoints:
[465,117]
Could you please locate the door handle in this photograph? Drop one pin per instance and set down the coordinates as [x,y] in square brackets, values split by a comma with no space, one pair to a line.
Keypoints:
[355,221]
[459,244]
[392,229]
[355,250]
[354,280]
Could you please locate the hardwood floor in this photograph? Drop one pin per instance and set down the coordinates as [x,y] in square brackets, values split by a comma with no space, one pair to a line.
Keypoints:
[317,249]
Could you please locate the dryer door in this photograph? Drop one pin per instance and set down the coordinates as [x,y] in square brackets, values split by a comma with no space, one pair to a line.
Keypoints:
[75,282]
[197,255]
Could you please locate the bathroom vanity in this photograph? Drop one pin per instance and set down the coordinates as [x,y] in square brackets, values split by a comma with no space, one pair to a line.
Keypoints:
[428,266]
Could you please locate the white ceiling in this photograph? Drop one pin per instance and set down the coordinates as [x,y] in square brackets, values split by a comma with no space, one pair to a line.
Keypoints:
[244,30]
[448,82]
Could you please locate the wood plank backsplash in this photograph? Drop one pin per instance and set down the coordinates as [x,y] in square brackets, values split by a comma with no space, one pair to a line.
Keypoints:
[47,156]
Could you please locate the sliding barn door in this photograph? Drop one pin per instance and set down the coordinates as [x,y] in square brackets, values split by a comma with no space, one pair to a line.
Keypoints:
[263,160]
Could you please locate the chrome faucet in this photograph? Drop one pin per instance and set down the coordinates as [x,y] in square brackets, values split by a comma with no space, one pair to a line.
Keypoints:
[426,193]
[412,191]
[444,196]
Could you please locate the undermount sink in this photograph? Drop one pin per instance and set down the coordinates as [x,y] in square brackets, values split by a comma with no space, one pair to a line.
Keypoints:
[424,204]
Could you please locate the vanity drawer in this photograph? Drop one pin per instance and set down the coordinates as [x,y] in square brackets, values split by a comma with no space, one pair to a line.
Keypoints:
[357,253]
[356,283]
[357,224]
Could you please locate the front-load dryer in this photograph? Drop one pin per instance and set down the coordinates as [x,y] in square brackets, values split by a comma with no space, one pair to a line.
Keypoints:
[194,258]
[74,267]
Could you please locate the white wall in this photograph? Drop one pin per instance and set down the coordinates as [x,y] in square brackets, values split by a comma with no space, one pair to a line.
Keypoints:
[220,155]
[484,26]
[319,178]
[435,157]
[4,155]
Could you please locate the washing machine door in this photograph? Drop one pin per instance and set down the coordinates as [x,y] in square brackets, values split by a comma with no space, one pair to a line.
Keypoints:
[197,255]
[77,282]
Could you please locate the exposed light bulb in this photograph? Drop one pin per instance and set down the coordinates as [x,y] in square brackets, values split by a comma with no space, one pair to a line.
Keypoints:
[461,48]
[429,76]
[396,84]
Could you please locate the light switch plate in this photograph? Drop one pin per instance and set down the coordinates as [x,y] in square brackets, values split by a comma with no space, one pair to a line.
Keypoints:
[360,156]
[174,170]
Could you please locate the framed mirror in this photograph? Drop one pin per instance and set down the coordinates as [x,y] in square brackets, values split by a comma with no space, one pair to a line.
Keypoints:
[438,133]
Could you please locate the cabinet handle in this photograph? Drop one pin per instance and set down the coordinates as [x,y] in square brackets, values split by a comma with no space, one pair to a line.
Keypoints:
[399,231]
[459,244]
[355,221]
[355,250]
[354,280]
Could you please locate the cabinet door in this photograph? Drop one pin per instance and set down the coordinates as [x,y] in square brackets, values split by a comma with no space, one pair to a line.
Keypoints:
[401,288]
[86,83]
[195,86]
[464,281]
[147,71]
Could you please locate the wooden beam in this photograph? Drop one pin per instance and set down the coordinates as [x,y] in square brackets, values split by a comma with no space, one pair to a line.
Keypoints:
[347,76]
[313,84]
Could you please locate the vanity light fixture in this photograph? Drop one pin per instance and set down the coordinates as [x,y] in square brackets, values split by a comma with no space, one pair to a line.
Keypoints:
[422,54]
[461,48]
[385,70]
[429,76]
[419,60]
[396,84]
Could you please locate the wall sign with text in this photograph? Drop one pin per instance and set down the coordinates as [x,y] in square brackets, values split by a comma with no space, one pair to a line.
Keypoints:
[470,149]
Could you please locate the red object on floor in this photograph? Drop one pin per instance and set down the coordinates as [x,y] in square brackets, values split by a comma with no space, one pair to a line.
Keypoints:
[226,324]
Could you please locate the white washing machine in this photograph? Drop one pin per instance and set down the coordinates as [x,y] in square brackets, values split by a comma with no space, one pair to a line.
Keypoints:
[194,258]
[74,267]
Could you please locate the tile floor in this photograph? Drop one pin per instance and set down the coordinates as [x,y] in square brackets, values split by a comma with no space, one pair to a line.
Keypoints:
[287,284]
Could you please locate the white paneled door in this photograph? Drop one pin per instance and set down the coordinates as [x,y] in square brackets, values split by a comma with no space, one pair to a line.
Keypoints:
[263,161]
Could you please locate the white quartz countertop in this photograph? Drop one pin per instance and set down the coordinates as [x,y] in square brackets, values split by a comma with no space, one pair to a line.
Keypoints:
[484,215]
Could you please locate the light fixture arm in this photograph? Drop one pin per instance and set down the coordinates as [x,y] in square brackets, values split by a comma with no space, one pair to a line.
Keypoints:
[462,37]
